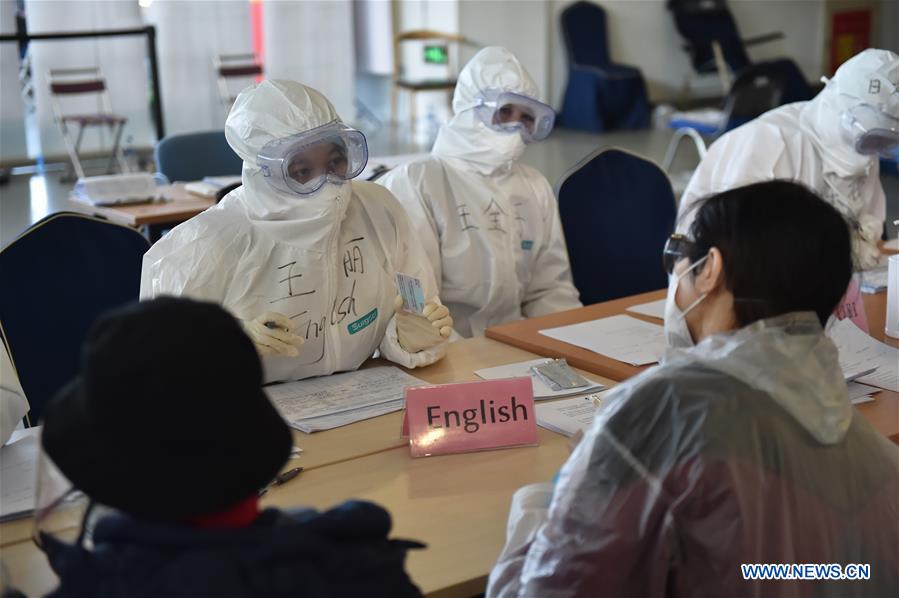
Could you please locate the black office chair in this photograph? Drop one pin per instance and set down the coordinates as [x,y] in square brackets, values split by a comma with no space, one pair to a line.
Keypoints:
[617,211]
[709,28]
[758,89]
[221,193]
[192,156]
[59,276]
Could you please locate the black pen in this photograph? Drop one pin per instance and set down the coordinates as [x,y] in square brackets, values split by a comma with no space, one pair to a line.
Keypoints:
[282,478]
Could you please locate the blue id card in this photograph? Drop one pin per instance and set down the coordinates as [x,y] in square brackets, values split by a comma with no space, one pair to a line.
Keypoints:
[411,292]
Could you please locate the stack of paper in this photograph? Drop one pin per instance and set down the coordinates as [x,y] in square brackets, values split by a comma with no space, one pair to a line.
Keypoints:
[18,475]
[567,416]
[862,353]
[623,338]
[653,309]
[541,390]
[861,393]
[332,401]
[874,281]
[116,189]
[211,185]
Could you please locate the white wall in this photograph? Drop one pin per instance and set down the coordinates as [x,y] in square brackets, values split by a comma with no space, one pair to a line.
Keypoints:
[889,25]
[373,26]
[189,35]
[121,59]
[524,27]
[12,124]
[642,34]
[311,41]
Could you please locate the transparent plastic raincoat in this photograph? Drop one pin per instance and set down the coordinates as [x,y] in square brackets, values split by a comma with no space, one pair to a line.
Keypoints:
[742,450]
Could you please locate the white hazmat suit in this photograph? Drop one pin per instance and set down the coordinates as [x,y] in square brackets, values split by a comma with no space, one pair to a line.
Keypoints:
[489,226]
[742,450]
[326,261]
[808,142]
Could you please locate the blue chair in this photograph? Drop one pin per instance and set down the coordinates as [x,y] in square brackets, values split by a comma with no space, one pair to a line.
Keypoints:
[601,96]
[192,156]
[617,211]
[59,276]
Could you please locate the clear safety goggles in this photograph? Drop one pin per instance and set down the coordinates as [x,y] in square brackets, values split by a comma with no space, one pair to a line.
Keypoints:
[303,163]
[872,131]
[511,112]
[678,247]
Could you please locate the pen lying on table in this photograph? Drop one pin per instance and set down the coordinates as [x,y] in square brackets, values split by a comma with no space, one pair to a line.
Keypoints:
[282,478]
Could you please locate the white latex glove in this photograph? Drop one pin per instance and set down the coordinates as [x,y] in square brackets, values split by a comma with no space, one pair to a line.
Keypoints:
[419,332]
[272,333]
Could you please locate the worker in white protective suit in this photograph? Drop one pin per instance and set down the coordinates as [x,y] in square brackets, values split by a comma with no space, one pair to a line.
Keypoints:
[831,143]
[304,257]
[740,449]
[489,225]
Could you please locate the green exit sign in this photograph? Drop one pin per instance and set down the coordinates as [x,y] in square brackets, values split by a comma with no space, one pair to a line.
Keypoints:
[436,55]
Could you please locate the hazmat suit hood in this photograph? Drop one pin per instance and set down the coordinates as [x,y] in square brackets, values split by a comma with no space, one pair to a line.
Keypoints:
[789,358]
[465,137]
[275,109]
[870,77]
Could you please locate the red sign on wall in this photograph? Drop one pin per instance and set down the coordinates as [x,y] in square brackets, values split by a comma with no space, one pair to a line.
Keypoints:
[850,33]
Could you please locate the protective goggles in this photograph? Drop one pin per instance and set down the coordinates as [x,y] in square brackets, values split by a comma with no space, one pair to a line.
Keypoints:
[303,163]
[678,247]
[872,131]
[511,112]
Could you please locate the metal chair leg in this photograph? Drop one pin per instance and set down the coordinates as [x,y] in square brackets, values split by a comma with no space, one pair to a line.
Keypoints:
[117,153]
[674,145]
[72,150]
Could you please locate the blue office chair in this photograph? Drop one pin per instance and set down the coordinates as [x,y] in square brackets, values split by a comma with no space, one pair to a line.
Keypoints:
[601,96]
[59,276]
[617,211]
[192,156]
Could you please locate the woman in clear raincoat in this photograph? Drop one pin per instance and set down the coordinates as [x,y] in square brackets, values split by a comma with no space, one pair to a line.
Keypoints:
[743,449]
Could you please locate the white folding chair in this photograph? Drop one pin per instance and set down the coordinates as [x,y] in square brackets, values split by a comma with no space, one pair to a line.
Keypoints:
[240,68]
[66,83]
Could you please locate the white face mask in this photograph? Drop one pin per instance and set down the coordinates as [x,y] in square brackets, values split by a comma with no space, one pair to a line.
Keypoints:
[677,333]
[507,145]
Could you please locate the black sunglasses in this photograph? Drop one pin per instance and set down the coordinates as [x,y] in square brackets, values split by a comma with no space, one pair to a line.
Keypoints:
[678,247]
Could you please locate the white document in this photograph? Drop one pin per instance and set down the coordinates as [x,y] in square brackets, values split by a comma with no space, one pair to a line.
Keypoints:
[18,474]
[654,309]
[861,352]
[343,398]
[541,390]
[861,393]
[327,422]
[620,337]
[567,416]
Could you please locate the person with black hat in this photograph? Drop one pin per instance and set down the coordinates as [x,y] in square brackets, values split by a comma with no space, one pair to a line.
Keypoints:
[171,447]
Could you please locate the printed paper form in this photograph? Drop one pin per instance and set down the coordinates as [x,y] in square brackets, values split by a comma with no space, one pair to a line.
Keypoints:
[340,393]
[861,393]
[860,352]
[654,309]
[567,416]
[541,390]
[327,422]
[620,337]
[18,475]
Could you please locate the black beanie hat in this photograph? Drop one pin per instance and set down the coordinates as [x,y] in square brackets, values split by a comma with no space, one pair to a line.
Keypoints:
[167,418]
